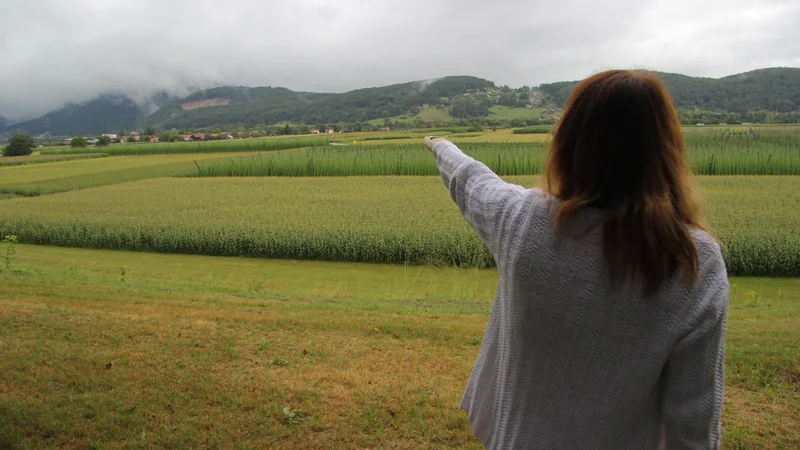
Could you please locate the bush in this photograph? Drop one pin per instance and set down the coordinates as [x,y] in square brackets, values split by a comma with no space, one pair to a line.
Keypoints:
[103,140]
[474,126]
[78,141]
[19,145]
[533,130]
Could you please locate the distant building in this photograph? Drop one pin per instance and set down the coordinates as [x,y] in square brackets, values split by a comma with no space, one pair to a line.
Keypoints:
[91,141]
[313,131]
[329,130]
[700,124]
[386,129]
[67,141]
[110,135]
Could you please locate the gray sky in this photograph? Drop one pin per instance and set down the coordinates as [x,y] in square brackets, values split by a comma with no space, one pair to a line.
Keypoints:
[54,51]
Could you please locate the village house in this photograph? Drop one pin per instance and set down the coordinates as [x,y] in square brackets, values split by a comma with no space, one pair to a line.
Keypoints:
[313,131]
[329,130]
[386,129]
[110,135]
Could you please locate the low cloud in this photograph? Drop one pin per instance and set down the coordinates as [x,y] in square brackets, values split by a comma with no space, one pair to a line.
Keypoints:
[55,52]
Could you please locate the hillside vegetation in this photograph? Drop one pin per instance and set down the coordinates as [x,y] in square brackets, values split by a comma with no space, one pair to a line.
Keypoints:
[761,96]
[776,89]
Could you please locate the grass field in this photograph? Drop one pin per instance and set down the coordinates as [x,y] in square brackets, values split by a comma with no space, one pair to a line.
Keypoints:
[366,219]
[40,159]
[221,146]
[499,112]
[32,180]
[116,349]
[202,352]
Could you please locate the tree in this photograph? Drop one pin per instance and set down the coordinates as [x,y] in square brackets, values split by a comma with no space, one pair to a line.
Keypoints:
[168,137]
[78,141]
[149,131]
[475,126]
[19,145]
[131,139]
[103,141]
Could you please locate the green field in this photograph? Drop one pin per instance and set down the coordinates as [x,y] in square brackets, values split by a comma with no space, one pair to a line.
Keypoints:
[404,155]
[228,145]
[370,219]
[38,179]
[499,112]
[192,351]
[40,159]
[164,348]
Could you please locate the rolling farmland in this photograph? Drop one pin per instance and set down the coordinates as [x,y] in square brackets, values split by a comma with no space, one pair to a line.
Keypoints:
[141,334]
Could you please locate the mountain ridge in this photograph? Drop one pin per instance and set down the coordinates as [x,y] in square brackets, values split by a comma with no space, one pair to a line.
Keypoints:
[770,89]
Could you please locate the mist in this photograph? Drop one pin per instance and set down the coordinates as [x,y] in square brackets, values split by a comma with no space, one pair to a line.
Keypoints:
[55,52]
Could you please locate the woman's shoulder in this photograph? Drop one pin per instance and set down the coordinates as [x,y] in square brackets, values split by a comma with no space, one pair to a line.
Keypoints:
[708,248]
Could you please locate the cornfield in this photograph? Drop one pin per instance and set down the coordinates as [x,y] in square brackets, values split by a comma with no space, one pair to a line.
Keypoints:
[762,153]
[398,159]
[370,219]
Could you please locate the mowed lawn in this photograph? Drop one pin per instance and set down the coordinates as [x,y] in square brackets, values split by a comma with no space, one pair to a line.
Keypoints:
[105,349]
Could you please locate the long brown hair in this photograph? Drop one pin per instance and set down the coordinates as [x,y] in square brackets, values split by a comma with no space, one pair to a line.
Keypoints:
[619,147]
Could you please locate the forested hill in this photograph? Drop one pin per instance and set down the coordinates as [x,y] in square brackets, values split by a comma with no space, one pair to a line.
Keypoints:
[228,106]
[105,113]
[766,95]
[776,89]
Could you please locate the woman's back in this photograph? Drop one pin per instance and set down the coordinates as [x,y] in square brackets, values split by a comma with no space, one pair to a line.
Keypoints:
[607,329]
[569,361]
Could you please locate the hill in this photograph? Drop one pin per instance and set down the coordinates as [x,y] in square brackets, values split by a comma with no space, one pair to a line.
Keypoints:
[775,89]
[268,105]
[456,98]
[109,112]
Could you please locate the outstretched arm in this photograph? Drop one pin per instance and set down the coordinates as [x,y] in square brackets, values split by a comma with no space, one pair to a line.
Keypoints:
[485,201]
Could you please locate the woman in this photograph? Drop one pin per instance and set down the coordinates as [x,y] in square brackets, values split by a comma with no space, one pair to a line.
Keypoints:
[608,327]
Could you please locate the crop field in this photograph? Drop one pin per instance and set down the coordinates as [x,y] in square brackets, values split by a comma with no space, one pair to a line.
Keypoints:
[738,154]
[369,219]
[229,297]
[40,159]
[228,145]
[32,180]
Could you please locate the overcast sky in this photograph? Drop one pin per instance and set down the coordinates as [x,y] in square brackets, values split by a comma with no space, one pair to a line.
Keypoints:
[54,51]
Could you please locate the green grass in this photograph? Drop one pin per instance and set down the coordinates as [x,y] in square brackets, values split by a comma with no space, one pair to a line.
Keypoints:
[221,146]
[65,176]
[189,351]
[436,115]
[369,219]
[425,114]
[499,112]
[40,159]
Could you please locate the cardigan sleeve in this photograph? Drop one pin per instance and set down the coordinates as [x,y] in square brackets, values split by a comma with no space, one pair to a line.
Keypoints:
[485,200]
